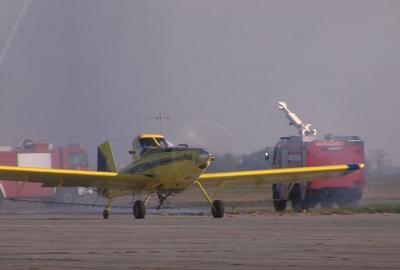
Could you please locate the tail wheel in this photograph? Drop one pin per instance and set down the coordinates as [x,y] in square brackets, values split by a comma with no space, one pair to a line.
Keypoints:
[139,209]
[218,209]
[106,214]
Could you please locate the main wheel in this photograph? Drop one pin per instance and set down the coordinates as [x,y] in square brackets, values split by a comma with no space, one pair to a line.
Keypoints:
[106,213]
[218,209]
[139,209]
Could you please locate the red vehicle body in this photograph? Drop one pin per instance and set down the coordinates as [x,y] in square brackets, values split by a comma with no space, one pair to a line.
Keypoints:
[295,152]
[43,155]
[337,152]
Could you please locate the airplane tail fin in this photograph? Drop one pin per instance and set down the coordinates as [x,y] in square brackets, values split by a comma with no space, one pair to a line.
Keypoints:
[105,158]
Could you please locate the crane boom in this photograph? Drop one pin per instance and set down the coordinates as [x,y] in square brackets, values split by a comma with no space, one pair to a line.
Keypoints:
[302,129]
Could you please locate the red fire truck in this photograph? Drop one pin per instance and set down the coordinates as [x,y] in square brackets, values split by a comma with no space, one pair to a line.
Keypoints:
[42,154]
[306,150]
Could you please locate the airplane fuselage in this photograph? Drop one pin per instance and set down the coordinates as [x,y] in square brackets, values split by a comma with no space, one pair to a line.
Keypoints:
[174,167]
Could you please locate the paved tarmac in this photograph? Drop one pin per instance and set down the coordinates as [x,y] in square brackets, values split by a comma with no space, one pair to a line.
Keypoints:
[263,241]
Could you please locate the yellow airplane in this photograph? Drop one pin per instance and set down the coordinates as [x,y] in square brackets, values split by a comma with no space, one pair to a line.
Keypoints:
[157,166]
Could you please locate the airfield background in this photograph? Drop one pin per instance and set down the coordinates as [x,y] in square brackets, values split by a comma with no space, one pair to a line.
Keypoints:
[86,71]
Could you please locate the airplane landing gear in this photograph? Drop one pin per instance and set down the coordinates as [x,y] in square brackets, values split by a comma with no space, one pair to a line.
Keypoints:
[217,209]
[106,213]
[217,206]
[107,210]
[139,209]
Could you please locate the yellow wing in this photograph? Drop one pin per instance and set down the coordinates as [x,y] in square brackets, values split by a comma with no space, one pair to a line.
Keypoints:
[70,178]
[286,175]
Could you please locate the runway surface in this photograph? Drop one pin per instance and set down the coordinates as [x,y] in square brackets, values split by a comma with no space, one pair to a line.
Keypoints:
[267,241]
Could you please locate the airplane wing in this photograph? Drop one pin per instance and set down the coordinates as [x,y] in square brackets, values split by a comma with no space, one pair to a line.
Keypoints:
[70,178]
[286,175]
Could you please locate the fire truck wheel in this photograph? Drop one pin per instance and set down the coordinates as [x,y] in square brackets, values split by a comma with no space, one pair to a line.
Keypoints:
[295,196]
[217,209]
[278,202]
[139,209]
[280,205]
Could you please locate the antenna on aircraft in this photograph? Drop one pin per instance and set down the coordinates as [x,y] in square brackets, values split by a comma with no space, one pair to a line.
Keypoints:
[160,117]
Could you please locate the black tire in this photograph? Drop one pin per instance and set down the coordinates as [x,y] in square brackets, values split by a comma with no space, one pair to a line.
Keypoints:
[278,202]
[139,209]
[106,214]
[295,196]
[280,205]
[218,209]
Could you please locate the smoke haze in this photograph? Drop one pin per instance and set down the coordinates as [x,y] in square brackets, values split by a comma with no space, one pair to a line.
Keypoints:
[87,71]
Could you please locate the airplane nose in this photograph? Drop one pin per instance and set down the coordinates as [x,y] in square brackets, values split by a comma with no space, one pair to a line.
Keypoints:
[203,159]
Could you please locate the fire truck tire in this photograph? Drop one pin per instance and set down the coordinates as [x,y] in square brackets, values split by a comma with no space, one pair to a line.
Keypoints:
[218,209]
[278,202]
[295,196]
[139,209]
[280,205]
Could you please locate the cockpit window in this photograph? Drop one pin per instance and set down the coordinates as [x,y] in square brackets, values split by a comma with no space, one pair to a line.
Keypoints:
[162,142]
[148,142]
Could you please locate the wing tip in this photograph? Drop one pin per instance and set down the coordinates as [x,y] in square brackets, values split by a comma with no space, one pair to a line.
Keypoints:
[356,167]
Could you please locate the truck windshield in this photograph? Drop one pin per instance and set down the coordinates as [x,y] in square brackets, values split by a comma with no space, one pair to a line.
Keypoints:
[78,160]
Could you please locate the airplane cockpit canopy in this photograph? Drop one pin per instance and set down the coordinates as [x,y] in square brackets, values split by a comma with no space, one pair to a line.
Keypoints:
[148,141]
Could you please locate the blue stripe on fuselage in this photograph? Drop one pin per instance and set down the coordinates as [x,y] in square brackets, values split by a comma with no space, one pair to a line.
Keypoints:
[156,163]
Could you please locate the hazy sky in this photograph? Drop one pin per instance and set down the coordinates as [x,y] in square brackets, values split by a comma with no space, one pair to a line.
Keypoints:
[86,71]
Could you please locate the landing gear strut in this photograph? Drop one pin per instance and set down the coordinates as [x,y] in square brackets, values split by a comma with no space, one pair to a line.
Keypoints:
[162,197]
[217,206]
[107,210]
